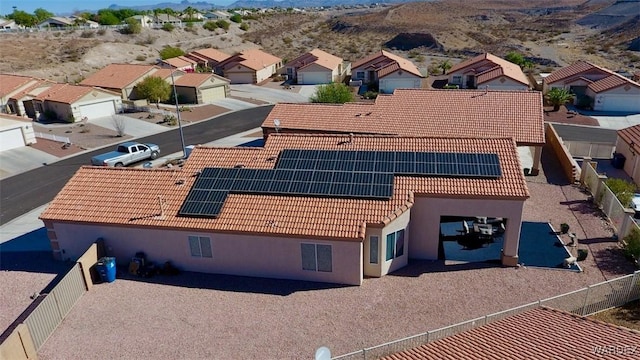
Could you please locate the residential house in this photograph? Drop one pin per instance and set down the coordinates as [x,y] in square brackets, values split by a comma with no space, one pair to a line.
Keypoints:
[121,78]
[8,24]
[159,20]
[12,85]
[21,103]
[181,63]
[250,66]
[195,16]
[421,112]
[15,132]
[488,71]
[278,220]
[537,333]
[596,87]
[201,88]
[76,102]
[145,21]
[316,67]
[388,71]
[56,22]
[217,15]
[208,57]
[628,145]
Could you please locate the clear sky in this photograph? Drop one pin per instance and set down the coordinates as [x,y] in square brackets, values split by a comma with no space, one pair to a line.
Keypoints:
[69,6]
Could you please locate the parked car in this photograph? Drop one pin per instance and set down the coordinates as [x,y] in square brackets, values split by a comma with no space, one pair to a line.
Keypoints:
[127,153]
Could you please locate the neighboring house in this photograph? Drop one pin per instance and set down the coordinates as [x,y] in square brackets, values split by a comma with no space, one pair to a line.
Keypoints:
[8,24]
[15,132]
[208,57]
[201,88]
[628,144]
[597,87]
[420,112]
[76,102]
[255,212]
[488,71]
[250,66]
[181,63]
[160,19]
[196,16]
[144,20]
[56,22]
[388,71]
[121,78]
[540,333]
[217,15]
[316,67]
[21,103]
[11,85]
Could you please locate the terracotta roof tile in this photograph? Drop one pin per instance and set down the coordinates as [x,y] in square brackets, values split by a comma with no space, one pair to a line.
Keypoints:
[254,59]
[29,91]
[502,67]
[572,70]
[67,93]
[315,56]
[10,83]
[118,76]
[541,333]
[135,194]
[180,62]
[631,135]
[382,59]
[420,112]
[193,79]
[611,82]
[211,53]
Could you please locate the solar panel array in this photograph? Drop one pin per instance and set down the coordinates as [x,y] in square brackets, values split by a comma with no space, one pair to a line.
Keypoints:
[344,174]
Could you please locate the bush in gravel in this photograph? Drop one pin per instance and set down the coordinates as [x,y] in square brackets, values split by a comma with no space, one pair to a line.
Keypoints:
[334,93]
[631,245]
[87,34]
[622,189]
[210,25]
[168,27]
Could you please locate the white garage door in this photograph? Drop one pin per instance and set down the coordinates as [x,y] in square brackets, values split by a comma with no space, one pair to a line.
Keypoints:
[11,139]
[212,94]
[240,78]
[98,110]
[312,78]
[387,86]
[626,103]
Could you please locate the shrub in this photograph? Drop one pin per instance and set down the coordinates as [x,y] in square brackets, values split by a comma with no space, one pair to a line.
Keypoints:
[622,189]
[334,93]
[171,119]
[141,58]
[133,27]
[631,246]
[210,25]
[168,27]
[223,24]
[87,34]
[370,95]
[169,52]
[451,86]
[244,26]
[102,31]
[236,18]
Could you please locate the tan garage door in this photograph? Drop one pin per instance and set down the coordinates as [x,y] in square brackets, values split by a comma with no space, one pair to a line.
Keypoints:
[211,94]
[240,78]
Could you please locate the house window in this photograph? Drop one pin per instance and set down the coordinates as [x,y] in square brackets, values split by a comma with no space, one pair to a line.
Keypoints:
[360,75]
[456,80]
[316,257]
[395,244]
[373,249]
[200,246]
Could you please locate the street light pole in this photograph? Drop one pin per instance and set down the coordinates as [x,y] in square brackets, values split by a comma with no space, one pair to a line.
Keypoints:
[175,97]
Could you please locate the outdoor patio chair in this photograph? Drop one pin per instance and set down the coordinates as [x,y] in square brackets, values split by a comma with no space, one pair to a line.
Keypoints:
[465,228]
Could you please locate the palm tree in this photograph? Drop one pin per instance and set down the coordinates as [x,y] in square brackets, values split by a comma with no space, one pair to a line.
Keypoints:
[558,97]
[445,65]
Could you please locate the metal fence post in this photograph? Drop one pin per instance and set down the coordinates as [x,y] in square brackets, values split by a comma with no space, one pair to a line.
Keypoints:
[586,297]
[634,281]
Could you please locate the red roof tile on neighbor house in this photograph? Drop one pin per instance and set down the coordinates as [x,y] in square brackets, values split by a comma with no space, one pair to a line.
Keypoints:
[211,53]
[420,112]
[574,69]
[503,67]
[254,59]
[611,82]
[10,83]
[118,76]
[28,91]
[135,194]
[67,93]
[195,79]
[540,333]
[383,59]
[631,135]
[315,56]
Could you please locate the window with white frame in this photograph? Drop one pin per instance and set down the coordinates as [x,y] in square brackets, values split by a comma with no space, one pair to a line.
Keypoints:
[395,244]
[200,246]
[456,80]
[360,75]
[373,249]
[316,257]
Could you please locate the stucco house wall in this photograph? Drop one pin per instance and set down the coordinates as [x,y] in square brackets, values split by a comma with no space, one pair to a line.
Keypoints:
[602,101]
[503,83]
[314,71]
[246,255]
[399,80]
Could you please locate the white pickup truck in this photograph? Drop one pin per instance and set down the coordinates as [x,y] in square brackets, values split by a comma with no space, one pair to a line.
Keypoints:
[127,153]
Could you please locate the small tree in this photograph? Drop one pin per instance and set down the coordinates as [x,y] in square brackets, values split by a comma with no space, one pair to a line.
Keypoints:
[244,26]
[210,25]
[118,125]
[169,52]
[631,245]
[622,189]
[445,65]
[154,89]
[168,27]
[558,97]
[515,58]
[334,93]
[223,24]
[133,27]
[236,18]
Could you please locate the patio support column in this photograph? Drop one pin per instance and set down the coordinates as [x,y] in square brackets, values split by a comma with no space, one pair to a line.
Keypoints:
[509,256]
[537,159]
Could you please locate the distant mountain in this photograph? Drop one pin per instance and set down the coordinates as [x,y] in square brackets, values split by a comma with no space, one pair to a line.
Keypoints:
[204,5]
[622,11]
[200,5]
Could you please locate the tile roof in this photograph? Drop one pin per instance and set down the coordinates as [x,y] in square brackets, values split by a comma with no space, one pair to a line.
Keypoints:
[384,58]
[29,91]
[10,83]
[611,82]
[211,53]
[134,194]
[502,67]
[180,62]
[315,56]
[572,70]
[254,59]
[540,333]
[421,112]
[195,79]
[118,76]
[67,93]
[631,135]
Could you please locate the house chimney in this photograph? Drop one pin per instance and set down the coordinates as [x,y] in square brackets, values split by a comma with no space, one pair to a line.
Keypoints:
[350,138]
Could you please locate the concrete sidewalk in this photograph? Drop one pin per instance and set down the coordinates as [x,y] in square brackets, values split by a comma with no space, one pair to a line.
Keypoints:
[23,159]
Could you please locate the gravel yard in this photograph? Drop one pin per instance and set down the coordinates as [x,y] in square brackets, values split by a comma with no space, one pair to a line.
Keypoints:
[228,317]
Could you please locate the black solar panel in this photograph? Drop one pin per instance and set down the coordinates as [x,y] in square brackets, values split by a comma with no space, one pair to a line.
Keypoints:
[359,174]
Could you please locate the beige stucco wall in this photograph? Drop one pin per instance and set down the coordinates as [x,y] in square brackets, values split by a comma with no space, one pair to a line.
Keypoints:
[247,255]
[383,267]
[398,80]
[632,162]
[265,73]
[629,93]
[424,228]
[505,84]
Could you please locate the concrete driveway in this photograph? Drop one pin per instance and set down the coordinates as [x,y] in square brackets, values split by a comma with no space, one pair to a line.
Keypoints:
[617,122]
[133,127]
[272,95]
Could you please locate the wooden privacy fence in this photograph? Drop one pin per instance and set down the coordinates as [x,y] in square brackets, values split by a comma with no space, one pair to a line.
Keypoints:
[587,301]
